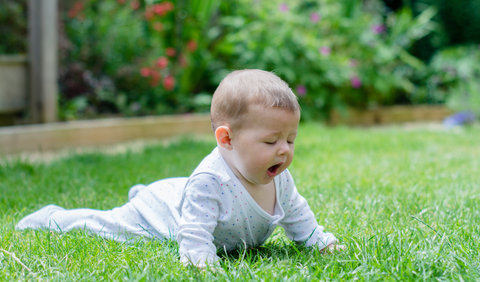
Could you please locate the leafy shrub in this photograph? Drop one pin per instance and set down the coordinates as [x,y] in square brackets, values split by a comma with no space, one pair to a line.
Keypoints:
[134,57]
[334,53]
[454,77]
[13,26]
[154,57]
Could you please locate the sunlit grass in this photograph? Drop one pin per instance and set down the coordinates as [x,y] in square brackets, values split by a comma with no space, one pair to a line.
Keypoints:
[405,203]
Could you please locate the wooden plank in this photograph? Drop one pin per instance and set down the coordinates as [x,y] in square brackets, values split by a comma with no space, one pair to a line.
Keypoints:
[390,115]
[14,139]
[13,83]
[43,58]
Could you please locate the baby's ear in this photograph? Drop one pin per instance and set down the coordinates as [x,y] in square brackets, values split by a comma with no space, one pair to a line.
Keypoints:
[223,134]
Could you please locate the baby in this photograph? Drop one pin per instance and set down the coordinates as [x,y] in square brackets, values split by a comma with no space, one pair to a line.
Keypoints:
[236,196]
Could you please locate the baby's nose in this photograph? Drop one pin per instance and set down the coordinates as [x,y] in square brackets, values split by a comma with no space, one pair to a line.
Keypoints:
[284,148]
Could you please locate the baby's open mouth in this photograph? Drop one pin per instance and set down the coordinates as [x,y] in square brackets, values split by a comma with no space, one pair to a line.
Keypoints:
[272,171]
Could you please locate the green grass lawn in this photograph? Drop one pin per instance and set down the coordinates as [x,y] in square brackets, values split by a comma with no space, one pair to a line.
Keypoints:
[405,203]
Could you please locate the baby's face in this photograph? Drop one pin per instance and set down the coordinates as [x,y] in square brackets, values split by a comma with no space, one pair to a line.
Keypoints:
[264,147]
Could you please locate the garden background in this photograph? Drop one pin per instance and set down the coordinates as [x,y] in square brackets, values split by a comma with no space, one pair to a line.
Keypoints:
[148,57]
[404,200]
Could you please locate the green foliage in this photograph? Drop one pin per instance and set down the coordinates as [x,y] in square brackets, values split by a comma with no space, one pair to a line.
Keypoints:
[147,57]
[458,23]
[405,203]
[135,57]
[13,26]
[453,77]
[333,53]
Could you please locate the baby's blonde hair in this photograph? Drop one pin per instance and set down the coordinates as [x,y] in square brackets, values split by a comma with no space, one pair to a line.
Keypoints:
[242,88]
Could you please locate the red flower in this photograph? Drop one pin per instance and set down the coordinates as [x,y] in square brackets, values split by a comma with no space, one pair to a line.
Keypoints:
[121,2]
[162,62]
[135,4]
[145,72]
[72,13]
[170,52]
[169,83]
[78,6]
[192,45]
[159,9]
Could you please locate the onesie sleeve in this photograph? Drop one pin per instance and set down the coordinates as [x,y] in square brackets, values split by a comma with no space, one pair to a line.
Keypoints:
[200,212]
[299,222]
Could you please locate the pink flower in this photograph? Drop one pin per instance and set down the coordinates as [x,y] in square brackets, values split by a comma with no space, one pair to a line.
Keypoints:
[169,83]
[170,52]
[283,7]
[378,28]
[314,17]
[325,50]
[145,72]
[301,90]
[135,4]
[162,62]
[356,83]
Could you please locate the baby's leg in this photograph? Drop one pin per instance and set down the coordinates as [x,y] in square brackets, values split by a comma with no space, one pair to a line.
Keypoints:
[134,190]
[120,223]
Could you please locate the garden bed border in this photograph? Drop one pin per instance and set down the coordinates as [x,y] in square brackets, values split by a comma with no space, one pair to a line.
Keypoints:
[390,115]
[54,136]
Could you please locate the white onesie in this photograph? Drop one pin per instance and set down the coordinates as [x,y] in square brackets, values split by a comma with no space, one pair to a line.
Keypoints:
[211,209]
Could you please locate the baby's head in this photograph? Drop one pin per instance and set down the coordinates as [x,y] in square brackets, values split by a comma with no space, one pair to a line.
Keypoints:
[255,117]
[243,88]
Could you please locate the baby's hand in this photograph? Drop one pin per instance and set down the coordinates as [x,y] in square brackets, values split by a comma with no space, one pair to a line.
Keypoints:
[333,248]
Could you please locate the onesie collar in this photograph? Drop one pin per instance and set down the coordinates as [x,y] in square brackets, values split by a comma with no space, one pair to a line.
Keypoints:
[216,165]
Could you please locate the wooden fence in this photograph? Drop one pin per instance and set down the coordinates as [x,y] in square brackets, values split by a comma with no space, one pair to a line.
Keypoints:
[29,83]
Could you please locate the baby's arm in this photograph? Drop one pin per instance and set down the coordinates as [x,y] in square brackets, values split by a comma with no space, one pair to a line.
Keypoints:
[200,213]
[299,222]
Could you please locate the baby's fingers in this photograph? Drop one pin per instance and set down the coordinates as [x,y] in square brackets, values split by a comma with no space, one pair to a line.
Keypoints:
[334,248]
[337,248]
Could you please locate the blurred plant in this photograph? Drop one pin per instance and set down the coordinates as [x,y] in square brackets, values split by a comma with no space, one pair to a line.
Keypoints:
[453,77]
[157,57]
[135,57]
[458,23]
[13,26]
[334,53]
